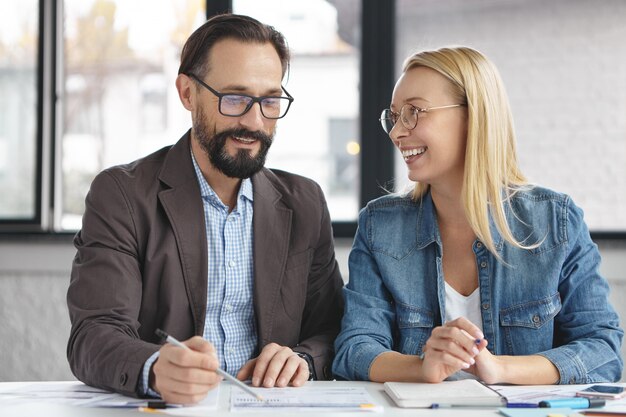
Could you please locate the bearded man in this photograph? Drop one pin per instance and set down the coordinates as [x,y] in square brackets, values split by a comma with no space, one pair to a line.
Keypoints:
[202,241]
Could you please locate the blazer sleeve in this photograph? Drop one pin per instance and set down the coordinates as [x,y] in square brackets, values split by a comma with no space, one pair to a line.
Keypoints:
[324,303]
[104,296]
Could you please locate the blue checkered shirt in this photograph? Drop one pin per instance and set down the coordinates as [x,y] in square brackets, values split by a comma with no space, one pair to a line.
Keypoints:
[230,322]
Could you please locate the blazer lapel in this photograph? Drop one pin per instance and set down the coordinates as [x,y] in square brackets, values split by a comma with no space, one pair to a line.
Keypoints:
[272,232]
[183,206]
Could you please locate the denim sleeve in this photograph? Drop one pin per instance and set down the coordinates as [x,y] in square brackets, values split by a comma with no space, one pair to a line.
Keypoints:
[587,333]
[366,328]
[145,389]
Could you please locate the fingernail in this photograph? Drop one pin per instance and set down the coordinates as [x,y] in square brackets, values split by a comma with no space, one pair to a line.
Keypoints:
[282,382]
[480,336]
[474,350]
[466,365]
[269,382]
[256,381]
[472,361]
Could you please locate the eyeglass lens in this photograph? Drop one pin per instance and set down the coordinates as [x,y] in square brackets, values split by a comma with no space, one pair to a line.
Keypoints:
[408,116]
[271,107]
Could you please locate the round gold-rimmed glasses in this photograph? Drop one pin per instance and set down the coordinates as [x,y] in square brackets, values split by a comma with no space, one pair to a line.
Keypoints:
[409,115]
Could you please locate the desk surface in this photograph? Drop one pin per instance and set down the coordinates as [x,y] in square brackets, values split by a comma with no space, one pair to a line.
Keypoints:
[40,409]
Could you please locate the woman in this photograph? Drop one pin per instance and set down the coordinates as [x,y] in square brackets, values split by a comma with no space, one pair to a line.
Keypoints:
[476,273]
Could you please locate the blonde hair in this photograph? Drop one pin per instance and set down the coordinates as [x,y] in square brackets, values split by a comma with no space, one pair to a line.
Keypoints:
[492,175]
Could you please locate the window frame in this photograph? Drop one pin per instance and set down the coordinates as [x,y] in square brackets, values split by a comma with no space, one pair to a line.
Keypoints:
[377,78]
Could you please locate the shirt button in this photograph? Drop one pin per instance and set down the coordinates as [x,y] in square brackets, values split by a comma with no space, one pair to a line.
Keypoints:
[483,264]
[231,219]
[231,263]
[123,379]
[479,245]
[536,319]
[229,307]
[486,306]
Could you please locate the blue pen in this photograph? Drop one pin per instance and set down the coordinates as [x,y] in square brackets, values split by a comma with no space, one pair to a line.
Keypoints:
[521,405]
[575,403]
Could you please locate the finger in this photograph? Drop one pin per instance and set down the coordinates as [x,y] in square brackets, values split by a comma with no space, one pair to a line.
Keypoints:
[190,358]
[302,374]
[464,324]
[451,345]
[289,370]
[460,336]
[200,344]
[246,370]
[194,375]
[262,362]
[276,365]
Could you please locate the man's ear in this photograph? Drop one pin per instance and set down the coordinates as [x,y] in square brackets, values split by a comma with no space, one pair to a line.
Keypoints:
[185,88]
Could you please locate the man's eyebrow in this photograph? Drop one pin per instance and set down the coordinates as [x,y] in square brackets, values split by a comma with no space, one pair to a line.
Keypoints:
[236,88]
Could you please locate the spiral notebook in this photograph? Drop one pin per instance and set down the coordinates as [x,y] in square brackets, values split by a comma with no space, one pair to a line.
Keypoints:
[463,393]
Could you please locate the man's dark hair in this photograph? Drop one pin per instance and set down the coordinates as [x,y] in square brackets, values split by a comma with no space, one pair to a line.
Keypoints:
[194,57]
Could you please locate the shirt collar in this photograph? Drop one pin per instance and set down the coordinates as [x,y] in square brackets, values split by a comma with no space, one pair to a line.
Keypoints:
[245,190]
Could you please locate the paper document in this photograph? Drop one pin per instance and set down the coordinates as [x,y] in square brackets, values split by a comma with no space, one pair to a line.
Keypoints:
[304,398]
[462,393]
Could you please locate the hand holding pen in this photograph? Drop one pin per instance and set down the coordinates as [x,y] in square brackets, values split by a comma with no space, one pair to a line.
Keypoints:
[185,376]
[195,369]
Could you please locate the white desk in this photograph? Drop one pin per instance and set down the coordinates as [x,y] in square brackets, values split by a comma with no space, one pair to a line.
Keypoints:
[37,408]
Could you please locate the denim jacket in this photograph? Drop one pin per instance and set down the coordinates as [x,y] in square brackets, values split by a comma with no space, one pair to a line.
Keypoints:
[550,300]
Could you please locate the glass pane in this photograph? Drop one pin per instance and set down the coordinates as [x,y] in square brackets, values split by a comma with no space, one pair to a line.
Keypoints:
[565,80]
[18,108]
[120,101]
[319,136]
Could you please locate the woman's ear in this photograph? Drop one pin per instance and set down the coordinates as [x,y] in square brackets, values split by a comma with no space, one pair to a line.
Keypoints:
[184,85]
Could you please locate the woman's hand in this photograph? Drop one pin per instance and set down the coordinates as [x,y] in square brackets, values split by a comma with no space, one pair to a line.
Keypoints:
[452,347]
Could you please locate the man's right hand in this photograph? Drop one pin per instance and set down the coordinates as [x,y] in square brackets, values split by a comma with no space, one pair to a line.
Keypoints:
[185,376]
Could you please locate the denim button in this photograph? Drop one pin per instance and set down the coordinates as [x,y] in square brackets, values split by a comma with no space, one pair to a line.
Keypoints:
[483,264]
[479,245]
[486,306]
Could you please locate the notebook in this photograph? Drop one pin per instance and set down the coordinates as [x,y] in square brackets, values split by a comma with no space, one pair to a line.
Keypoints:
[462,393]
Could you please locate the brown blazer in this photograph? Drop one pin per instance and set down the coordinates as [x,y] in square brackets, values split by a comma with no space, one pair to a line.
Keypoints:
[141,264]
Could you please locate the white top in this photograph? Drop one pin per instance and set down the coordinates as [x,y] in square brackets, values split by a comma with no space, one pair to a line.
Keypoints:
[458,305]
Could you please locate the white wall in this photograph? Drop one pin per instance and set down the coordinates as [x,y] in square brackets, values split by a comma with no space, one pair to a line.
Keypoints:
[34,324]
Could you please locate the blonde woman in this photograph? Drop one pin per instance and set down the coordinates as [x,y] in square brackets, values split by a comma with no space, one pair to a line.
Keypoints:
[476,273]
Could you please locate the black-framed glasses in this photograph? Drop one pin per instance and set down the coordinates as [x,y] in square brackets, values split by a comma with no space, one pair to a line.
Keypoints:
[235,105]
[409,115]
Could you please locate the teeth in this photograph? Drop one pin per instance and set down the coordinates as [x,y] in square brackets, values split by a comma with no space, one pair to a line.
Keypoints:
[245,140]
[415,151]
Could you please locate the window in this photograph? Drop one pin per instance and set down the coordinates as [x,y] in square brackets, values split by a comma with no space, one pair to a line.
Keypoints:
[323,38]
[86,84]
[565,82]
[19,33]
[120,101]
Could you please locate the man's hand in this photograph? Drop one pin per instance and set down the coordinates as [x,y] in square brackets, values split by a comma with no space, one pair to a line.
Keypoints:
[185,376]
[276,366]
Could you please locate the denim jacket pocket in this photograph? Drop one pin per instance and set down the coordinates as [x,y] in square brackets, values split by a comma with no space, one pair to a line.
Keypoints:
[415,325]
[528,328]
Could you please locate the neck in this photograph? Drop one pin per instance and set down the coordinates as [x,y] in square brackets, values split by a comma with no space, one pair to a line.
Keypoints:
[449,208]
[225,187]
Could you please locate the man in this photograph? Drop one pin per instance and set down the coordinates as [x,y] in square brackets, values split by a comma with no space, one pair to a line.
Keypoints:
[198,239]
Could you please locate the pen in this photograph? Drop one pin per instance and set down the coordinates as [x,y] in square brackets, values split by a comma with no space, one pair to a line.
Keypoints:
[238,383]
[577,402]
[521,405]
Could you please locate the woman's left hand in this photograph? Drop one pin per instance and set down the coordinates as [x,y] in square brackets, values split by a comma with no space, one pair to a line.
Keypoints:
[488,367]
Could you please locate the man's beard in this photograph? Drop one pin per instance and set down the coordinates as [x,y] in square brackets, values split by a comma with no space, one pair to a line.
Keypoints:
[242,164]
